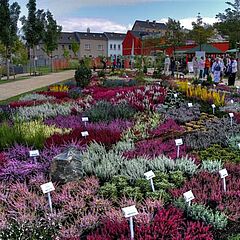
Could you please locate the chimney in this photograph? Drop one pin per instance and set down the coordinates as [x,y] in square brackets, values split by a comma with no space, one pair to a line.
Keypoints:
[154,21]
[147,21]
[88,30]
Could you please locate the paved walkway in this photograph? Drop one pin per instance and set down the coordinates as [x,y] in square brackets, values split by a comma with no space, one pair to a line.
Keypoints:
[8,90]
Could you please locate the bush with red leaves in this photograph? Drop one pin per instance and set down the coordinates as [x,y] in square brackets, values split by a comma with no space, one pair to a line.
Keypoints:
[58,95]
[105,136]
[167,224]
[154,148]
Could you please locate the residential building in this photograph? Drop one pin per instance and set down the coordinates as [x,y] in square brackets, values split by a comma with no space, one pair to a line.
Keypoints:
[115,41]
[64,45]
[150,27]
[92,44]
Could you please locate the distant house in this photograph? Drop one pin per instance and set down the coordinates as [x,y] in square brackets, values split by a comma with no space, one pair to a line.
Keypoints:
[115,41]
[64,43]
[92,44]
[132,44]
[149,27]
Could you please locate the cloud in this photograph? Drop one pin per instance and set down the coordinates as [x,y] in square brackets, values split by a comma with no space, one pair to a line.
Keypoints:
[187,22]
[95,25]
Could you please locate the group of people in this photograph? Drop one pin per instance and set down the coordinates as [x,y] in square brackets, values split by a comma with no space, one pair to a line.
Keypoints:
[203,67]
[218,67]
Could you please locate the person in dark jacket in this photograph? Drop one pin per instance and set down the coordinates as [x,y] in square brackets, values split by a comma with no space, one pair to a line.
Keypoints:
[172,65]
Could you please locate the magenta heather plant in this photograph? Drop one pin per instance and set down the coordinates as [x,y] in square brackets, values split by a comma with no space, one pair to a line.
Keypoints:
[155,147]
[166,224]
[208,190]
[168,129]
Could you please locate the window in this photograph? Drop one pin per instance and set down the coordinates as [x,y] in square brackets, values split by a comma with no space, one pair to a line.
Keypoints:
[111,46]
[70,47]
[114,46]
[90,56]
[100,47]
[87,46]
[38,47]
[119,46]
[62,46]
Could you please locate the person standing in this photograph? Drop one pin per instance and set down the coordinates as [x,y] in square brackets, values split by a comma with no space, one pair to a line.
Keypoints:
[195,67]
[207,67]
[172,66]
[166,65]
[232,70]
[201,65]
[216,70]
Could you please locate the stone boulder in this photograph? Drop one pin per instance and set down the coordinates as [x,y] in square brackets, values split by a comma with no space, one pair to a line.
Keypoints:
[67,166]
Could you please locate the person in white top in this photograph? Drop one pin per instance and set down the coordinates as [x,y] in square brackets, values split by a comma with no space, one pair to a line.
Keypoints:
[232,70]
[195,67]
[166,65]
[201,65]
[216,70]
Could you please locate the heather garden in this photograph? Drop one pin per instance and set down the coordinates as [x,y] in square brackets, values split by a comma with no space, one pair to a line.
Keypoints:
[97,139]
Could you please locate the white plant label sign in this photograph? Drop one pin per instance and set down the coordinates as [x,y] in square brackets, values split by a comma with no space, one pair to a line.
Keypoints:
[231,115]
[85,119]
[232,101]
[85,134]
[213,106]
[130,211]
[175,95]
[223,173]
[188,196]
[149,175]
[47,187]
[190,105]
[239,145]
[34,153]
[179,142]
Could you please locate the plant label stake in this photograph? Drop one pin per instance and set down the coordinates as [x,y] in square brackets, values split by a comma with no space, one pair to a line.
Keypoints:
[239,145]
[178,142]
[85,134]
[213,108]
[149,176]
[34,154]
[223,174]
[48,188]
[175,96]
[232,102]
[231,115]
[130,212]
[188,196]
[190,105]
[85,120]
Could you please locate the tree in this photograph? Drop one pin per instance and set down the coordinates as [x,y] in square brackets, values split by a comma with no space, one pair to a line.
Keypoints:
[201,32]
[51,35]
[229,22]
[9,15]
[175,35]
[75,47]
[20,53]
[33,27]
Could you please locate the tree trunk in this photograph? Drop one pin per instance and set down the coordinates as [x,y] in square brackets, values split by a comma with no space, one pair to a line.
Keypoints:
[7,62]
[51,62]
[34,61]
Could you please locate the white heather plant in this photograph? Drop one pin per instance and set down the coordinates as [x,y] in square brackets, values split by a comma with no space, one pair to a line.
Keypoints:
[122,146]
[45,111]
[211,166]
[186,165]
[35,97]
[233,142]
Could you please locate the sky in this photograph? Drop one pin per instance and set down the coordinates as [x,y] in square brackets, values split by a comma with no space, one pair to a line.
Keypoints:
[120,15]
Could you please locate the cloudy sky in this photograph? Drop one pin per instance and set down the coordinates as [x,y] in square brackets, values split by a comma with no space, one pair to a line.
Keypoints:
[119,15]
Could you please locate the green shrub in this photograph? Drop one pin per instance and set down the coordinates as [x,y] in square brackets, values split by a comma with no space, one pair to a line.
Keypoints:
[105,111]
[218,153]
[101,74]
[109,190]
[200,212]
[83,76]
[133,193]
[157,195]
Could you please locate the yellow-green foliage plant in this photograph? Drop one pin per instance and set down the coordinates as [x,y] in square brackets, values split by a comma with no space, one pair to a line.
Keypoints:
[59,88]
[202,93]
